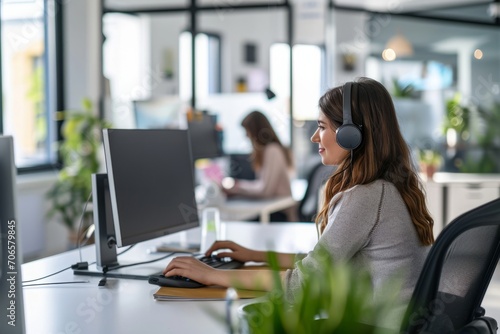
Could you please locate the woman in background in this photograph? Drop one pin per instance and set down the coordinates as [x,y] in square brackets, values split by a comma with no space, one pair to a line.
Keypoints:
[271,162]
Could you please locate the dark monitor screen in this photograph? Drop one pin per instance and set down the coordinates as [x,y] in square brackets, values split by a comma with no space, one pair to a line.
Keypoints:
[151,182]
[11,301]
[7,181]
[206,141]
[240,166]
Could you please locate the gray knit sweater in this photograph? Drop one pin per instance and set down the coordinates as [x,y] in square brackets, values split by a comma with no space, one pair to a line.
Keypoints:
[370,225]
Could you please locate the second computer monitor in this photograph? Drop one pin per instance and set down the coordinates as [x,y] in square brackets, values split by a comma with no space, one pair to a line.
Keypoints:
[151,182]
[206,139]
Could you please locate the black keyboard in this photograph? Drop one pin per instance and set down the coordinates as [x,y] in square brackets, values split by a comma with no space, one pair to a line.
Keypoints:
[220,263]
[184,282]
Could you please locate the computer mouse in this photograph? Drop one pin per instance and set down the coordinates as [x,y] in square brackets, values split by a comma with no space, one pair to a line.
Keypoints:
[174,281]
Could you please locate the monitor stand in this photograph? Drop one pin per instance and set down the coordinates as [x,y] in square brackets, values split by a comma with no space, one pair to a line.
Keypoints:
[181,246]
[137,272]
[105,242]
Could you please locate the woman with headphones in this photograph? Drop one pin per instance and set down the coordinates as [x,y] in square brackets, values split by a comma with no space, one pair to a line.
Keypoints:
[374,212]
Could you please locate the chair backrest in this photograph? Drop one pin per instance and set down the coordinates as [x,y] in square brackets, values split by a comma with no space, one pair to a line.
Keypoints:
[456,273]
[308,206]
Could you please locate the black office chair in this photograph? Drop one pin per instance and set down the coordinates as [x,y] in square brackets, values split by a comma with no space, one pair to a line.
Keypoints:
[456,274]
[308,206]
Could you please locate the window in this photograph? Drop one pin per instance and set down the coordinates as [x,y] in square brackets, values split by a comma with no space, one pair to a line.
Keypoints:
[28,96]
[308,77]
[208,73]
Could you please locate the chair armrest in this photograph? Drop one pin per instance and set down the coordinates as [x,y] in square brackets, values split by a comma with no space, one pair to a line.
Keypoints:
[482,325]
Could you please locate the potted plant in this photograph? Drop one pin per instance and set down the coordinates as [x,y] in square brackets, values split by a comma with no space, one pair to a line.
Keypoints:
[402,91]
[339,299]
[484,155]
[79,152]
[457,117]
[430,161]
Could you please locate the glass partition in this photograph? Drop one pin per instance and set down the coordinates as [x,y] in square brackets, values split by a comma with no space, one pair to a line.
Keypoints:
[141,61]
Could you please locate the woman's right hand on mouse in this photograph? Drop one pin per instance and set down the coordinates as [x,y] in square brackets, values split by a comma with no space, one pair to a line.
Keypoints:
[237,252]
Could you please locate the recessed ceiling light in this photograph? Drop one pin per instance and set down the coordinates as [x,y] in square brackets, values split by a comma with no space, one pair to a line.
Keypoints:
[478,54]
[388,55]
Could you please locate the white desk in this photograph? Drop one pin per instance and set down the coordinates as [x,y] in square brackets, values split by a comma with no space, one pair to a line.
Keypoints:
[127,306]
[451,194]
[244,209]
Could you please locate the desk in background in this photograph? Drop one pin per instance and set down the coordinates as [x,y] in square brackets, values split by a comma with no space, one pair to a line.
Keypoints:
[451,194]
[244,209]
[247,209]
[127,306]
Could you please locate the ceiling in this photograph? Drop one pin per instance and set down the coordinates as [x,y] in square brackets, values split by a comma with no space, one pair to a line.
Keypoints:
[373,5]
[436,28]
[469,21]
[402,6]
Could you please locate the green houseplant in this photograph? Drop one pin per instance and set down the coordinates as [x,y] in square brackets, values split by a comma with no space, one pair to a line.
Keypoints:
[401,91]
[79,152]
[457,118]
[430,160]
[477,135]
[339,299]
[487,148]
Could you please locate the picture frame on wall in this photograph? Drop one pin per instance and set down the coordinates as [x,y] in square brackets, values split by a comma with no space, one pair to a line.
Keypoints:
[250,53]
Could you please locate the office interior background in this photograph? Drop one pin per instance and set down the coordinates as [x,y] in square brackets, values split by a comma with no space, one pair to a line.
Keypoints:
[439,59]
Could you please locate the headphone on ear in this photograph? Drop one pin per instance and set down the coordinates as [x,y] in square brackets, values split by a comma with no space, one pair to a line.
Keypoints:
[349,135]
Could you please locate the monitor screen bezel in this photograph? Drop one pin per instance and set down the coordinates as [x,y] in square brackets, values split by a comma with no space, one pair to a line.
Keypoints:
[10,248]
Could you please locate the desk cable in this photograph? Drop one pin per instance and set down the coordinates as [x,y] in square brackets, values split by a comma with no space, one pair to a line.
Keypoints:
[105,269]
[139,263]
[73,266]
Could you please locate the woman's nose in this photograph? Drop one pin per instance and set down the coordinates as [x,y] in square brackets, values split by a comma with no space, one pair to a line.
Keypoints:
[315,136]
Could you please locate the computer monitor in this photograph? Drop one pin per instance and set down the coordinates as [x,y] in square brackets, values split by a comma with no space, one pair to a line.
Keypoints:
[11,291]
[240,166]
[206,139]
[160,113]
[148,192]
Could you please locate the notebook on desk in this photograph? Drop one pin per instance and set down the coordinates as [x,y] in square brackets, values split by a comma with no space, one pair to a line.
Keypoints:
[205,293]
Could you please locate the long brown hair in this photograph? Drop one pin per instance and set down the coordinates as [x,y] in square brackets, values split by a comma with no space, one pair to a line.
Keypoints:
[383,153]
[262,133]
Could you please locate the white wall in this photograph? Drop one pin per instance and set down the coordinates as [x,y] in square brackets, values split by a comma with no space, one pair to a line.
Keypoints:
[347,34]
[82,55]
[165,31]
[261,27]
[40,236]
[235,28]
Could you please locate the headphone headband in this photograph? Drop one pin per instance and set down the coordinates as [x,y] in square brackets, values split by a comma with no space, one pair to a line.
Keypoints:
[347,117]
[349,135]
